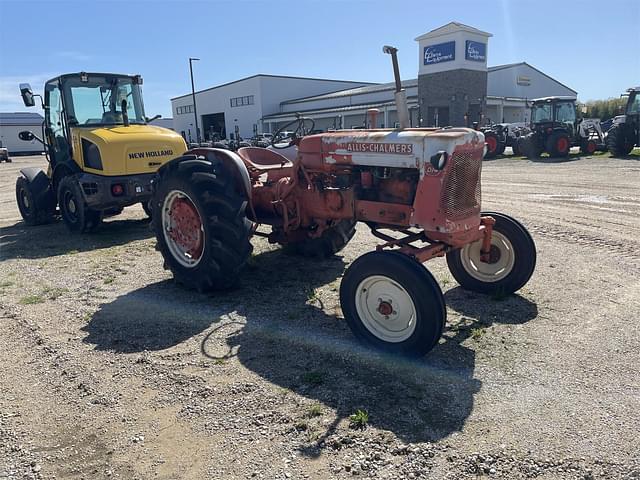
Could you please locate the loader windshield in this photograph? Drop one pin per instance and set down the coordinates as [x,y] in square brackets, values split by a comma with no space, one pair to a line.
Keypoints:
[98,100]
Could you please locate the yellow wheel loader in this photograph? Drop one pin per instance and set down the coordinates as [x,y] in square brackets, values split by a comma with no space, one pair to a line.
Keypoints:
[101,150]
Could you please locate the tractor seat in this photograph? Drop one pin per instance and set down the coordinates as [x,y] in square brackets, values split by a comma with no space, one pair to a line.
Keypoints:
[262,159]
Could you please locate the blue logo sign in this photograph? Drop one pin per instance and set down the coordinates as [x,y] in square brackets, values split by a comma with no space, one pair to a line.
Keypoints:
[475,51]
[442,52]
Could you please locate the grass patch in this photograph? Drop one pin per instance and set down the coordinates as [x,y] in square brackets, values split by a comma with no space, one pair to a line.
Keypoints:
[315,410]
[360,419]
[32,299]
[477,333]
[54,293]
[301,426]
[108,280]
[6,283]
[314,378]
[312,296]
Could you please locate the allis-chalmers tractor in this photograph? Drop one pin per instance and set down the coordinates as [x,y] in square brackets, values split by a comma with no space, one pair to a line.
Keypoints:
[417,189]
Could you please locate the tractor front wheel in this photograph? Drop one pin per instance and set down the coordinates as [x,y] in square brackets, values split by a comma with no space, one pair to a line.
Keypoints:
[392,302]
[617,142]
[77,216]
[512,259]
[330,242]
[201,225]
[588,147]
[529,146]
[493,145]
[148,208]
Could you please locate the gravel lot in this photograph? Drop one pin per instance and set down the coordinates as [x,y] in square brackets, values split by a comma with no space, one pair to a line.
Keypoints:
[109,370]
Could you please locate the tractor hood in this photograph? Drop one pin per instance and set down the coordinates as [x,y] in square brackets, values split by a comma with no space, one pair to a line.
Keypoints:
[128,150]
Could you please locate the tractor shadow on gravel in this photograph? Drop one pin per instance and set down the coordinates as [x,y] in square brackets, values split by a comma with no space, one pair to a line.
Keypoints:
[283,324]
[24,241]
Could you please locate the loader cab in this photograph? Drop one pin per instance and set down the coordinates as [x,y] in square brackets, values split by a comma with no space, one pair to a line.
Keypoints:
[633,102]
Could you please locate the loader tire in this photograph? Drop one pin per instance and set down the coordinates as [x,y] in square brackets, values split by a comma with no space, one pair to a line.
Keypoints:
[77,216]
[329,243]
[617,142]
[34,211]
[201,226]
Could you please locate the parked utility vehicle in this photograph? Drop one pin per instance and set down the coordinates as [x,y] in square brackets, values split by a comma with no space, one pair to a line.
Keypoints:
[555,128]
[418,190]
[101,151]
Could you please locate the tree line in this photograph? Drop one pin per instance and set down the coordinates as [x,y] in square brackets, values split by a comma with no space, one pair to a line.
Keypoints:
[605,109]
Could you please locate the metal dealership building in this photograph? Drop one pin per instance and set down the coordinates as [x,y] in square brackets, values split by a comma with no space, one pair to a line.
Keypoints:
[454,87]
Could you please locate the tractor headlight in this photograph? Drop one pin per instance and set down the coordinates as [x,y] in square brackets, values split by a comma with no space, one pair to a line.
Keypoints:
[439,160]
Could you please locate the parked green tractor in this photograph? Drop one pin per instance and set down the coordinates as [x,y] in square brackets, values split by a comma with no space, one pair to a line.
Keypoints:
[624,134]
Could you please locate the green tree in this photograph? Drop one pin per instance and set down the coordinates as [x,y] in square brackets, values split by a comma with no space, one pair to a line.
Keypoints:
[605,109]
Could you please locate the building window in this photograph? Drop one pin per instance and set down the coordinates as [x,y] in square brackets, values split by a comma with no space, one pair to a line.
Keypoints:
[183,110]
[241,101]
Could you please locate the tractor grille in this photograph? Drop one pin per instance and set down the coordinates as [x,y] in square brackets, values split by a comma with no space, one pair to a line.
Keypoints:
[460,196]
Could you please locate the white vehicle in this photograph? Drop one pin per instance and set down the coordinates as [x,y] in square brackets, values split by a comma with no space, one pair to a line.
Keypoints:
[4,154]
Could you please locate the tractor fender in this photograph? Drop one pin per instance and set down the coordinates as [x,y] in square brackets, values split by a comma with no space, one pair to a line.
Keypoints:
[40,185]
[229,159]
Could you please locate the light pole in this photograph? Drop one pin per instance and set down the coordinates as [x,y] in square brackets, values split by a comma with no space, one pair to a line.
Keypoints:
[193,97]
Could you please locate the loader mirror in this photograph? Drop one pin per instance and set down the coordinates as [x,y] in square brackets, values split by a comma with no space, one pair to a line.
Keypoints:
[26,135]
[27,95]
[439,160]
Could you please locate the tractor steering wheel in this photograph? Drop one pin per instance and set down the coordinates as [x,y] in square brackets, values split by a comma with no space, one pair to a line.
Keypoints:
[300,131]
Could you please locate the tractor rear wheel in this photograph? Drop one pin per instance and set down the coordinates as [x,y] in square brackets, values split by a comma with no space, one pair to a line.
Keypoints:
[77,216]
[32,212]
[332,240]
[559,145]
[493,145]
[201,224]
[588,147]
[392,302]
[617,142]
[511,264]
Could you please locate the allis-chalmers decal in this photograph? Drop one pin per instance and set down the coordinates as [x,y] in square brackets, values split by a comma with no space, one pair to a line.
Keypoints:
[394,148]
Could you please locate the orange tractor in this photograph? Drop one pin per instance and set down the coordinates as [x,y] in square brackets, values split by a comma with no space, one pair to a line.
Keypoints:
[417,189]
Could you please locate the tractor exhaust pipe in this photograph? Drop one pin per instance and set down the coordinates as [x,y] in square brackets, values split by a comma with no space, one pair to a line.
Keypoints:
[400,95]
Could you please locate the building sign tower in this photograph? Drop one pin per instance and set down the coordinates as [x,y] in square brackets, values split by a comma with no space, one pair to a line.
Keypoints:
[452,75]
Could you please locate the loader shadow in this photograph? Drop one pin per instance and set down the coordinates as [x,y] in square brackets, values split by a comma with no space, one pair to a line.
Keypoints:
[283,324]
[23,241]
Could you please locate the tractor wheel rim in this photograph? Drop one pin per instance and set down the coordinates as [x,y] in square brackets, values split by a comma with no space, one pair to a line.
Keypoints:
[385,308]
[562,144]
[70,207]
[500,265]
[183,229]
[492,144]
[25,199]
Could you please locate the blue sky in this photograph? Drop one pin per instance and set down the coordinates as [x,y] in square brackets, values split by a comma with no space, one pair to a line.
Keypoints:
[591,46]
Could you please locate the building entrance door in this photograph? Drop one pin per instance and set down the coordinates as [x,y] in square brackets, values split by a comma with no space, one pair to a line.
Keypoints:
[437,116]
[213,126]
